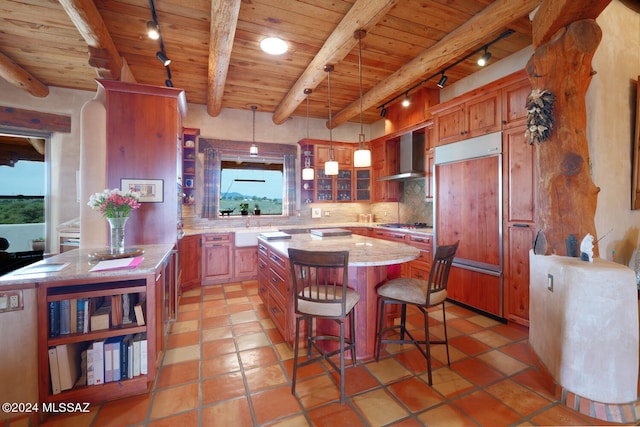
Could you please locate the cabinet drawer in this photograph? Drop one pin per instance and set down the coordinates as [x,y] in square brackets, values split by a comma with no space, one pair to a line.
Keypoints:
[419,241]
[277,313]
[417,271]
[278,261]
[217,237]
[425,258]
[263,250]
[279,283]
[394,236]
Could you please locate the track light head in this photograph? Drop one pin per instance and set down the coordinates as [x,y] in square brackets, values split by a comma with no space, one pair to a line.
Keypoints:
[153,31]
[442,81]
[484,59]
[163,58]
[168,83]
[406,101]
[383,112]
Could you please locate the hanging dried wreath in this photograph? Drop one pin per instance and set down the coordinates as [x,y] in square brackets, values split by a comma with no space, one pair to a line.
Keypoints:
[539,115]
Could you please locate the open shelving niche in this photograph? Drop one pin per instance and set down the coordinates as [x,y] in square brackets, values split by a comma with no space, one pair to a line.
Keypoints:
[143,285]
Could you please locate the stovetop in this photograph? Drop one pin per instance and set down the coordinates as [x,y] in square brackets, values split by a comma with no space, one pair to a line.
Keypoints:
[406,226]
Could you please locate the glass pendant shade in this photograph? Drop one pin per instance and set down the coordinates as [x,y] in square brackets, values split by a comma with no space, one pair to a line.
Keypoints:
[362,158]
[307,174]
[331,167]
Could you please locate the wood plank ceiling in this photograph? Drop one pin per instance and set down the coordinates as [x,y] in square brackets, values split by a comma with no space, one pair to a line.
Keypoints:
[53,43]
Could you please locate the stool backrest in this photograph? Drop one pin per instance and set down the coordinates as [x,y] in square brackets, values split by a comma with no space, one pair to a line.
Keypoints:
[320,278]
[439,275]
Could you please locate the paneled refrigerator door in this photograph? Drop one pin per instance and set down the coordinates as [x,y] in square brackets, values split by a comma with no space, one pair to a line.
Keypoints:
[468,207]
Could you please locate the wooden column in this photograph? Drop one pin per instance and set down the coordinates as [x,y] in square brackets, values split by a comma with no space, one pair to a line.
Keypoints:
[567,197]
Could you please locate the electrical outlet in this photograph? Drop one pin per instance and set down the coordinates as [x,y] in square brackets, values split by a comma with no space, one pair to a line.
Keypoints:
[14,301]
[550,282]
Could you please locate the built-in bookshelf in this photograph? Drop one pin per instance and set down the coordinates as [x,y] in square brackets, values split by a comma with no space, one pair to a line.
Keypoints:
[96,343]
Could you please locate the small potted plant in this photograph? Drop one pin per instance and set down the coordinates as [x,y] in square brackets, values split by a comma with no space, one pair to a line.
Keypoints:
[244,208]
[256,210]
[37,244]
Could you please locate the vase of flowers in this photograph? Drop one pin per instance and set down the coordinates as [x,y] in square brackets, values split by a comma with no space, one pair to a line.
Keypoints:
[115,205]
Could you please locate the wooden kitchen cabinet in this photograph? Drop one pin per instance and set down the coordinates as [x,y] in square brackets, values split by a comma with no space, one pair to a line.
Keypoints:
[336,187]
[514,103]
[274,290]
[217,261]
[143,127]
[468,117]
[190,248]
[189,151]
[420,267]
[519,193]
[245,263]
[429,145]
[384,162]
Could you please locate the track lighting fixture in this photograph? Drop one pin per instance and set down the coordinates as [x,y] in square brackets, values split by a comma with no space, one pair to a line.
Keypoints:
[168,83]
[406,101]
[152,30]
[163,58]
[442,81]
[383,112]
[484,59]
[253,150]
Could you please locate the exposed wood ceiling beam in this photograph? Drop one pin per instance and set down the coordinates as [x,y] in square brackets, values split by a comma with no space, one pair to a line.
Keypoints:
[556,14]
[224,18]
[362,15]
[18,76]
[490,20]
[103,55]
[16,118]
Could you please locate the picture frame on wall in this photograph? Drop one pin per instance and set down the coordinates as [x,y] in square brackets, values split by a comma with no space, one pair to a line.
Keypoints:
[150,190]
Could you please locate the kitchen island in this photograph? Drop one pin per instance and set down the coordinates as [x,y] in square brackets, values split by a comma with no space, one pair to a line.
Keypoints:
[369,259]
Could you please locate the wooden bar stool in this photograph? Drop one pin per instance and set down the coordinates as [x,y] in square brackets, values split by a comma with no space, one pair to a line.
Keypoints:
[320,292]
[422,294]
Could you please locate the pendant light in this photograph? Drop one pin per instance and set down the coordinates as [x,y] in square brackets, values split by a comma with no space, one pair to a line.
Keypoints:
[253,150]
[307,172]
[330,166]
[361,157]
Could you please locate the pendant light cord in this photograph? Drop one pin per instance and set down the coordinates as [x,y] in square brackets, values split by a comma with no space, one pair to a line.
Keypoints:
[361,34]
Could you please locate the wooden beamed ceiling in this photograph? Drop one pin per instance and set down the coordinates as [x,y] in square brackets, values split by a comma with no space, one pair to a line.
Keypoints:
[213,45]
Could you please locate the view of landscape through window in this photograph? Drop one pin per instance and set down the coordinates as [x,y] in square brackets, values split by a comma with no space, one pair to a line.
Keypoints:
[257,188]
[22,193]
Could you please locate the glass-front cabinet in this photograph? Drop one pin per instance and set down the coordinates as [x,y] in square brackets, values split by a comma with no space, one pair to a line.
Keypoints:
[324,186]
[363,185]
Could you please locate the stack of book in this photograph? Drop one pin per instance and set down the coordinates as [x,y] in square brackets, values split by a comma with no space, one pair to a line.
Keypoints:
[98,362]
[83,315]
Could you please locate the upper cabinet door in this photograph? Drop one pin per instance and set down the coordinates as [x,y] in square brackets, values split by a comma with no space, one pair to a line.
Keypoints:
[514,101]
[483,115]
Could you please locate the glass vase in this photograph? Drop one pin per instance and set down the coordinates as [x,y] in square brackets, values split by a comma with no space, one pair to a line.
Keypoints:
[116,241]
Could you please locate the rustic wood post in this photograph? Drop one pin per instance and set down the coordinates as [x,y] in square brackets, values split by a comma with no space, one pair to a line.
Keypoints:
[567,197]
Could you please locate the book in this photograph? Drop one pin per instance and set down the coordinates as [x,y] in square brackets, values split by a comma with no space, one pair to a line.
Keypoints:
[116,311]
[139,311]
[85,303]
[80,313]
[129,342]
[108,361]
[117,264]
[53,369]
[83,369]
[136,355]
[65,317]
[116,348]
[73,315]
[98,362]
[100,319]
[91,380]
[68,364]
[143,354]
[54,318]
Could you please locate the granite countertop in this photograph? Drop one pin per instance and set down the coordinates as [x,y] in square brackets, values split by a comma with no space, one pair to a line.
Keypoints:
[363,251]
[306,227]
[79,265]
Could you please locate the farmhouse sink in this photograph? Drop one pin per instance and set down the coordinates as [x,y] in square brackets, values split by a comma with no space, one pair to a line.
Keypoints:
[249,237]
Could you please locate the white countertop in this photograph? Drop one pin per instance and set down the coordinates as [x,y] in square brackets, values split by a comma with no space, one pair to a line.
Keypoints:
[306,226]
[363,251]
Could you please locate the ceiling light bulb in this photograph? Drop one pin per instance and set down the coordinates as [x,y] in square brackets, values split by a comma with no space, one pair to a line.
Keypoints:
[152,30]
[484,59]
[274,46]
[163,58]
[406,101]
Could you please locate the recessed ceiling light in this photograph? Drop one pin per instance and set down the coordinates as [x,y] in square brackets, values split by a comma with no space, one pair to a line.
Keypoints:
[274,46]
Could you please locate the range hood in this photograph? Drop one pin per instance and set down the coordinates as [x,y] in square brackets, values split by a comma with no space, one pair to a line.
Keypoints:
[411,158]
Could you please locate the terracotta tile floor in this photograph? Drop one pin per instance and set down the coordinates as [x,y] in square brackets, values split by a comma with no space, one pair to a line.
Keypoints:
[226,365]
